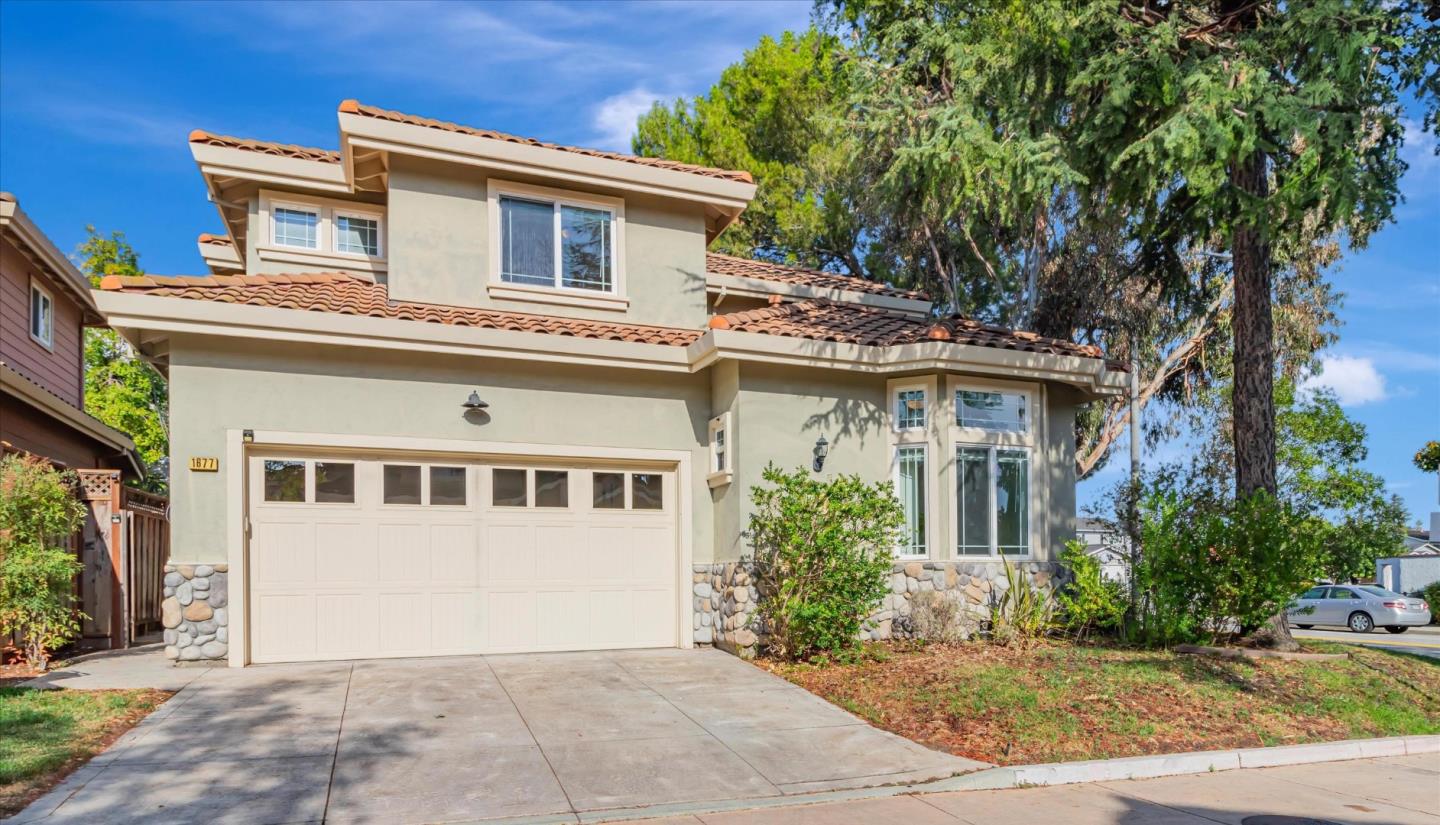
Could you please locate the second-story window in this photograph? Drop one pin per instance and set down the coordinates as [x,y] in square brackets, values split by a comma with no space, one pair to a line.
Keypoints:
[42,316]
[550,243]
[297,227]
[357,235]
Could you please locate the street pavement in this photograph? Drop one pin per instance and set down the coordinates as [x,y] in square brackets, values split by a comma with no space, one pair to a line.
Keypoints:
[1402,790]
[1421,641]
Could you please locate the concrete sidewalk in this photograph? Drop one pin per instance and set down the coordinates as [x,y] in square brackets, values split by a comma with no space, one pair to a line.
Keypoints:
[1402,790]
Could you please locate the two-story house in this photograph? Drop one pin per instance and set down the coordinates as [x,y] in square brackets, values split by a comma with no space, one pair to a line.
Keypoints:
[451,391]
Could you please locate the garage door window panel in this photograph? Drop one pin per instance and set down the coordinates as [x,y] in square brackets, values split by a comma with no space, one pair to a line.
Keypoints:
[334,482]
[401,484]
[647,491]
[508,488]
[284,481]
[447,486]
[609,492]
[552,488]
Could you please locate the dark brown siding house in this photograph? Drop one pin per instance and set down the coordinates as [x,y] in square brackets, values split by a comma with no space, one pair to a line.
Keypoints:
[45,305]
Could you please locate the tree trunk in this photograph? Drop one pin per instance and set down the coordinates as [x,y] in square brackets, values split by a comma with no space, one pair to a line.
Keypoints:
[1253,397]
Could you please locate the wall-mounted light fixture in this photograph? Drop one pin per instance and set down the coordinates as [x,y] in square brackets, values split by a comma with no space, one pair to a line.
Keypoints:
[473,403]
[822,449]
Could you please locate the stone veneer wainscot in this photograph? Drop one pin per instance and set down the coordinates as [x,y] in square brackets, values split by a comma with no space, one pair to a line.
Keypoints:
[724,597]
[195,612]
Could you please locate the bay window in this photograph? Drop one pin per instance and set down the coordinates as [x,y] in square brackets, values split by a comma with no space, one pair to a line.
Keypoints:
[997,411]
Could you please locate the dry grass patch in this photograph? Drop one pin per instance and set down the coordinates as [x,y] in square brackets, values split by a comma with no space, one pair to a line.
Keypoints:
[1062,702]
[46,734]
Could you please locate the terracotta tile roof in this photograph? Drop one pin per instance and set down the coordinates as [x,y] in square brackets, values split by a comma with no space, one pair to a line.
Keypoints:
[284,150]
[219,240]
[348,295]
[355,107]
[823,320]
[766,271]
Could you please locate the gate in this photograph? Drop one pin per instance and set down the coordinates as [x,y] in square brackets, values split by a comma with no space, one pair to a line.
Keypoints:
[123,547]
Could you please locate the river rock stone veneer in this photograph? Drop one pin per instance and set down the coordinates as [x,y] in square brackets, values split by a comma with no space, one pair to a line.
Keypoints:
[196,612]
[725,597]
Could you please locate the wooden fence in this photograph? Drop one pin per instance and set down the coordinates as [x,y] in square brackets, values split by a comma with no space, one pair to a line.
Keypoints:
[123,546]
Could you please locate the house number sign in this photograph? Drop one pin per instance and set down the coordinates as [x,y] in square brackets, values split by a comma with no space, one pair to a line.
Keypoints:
[204,464]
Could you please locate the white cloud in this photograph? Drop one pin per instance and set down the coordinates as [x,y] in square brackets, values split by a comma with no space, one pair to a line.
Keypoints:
[615,117]
[1353,379]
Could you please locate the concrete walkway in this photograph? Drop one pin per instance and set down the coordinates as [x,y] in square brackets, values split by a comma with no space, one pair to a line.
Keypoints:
[1402,790]
[472,738]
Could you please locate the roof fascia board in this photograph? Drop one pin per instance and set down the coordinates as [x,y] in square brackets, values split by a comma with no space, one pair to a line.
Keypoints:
[40,246]
[377,133]
[189,316]
[36,396]
[761,288]
[226,161]
[220,257]
[1089,374]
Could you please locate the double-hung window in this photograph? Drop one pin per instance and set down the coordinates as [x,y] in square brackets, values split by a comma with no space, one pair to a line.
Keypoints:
[552,243]
[993,438]
[42,316]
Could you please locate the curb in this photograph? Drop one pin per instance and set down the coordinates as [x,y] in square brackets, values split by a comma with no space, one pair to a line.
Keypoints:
[1060,773]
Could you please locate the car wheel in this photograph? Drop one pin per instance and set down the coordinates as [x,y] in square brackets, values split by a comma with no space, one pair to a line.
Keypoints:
[1396,628]
[1361,622]
[1304,626]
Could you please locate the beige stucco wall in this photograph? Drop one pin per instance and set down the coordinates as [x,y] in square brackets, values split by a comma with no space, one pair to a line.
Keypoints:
[216,385]
[777,414]
[439,250]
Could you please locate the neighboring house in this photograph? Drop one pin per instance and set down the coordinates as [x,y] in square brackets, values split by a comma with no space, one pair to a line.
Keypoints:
[452,391]
[1107,545]
[1418,566]
[45,305]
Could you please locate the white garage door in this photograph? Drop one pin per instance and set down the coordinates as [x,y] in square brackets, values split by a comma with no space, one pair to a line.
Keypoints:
[383,557]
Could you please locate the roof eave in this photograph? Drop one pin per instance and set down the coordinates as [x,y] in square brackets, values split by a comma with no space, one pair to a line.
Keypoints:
[760,287]
[359,130]
[40,248]
[17,385]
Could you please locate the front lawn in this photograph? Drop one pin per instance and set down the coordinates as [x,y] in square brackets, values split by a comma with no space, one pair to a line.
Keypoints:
[1061,702]
[45,734]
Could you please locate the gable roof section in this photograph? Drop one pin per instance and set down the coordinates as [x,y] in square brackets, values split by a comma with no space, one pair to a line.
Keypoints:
[718,264]
[822,320]
[355,107]
[340,293]
[42,252]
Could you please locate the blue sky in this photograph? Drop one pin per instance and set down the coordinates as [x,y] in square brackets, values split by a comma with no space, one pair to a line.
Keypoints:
[96,101]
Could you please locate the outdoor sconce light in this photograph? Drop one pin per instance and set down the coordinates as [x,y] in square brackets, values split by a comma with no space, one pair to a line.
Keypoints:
[473,403]
[822,449]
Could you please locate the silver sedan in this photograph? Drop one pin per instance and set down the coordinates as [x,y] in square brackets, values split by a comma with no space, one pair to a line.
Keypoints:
[1360,607]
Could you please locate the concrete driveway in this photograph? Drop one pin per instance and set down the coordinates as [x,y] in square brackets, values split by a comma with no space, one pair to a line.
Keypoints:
[460,739]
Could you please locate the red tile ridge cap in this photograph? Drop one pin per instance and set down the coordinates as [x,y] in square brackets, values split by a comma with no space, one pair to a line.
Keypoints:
[206,237]
[265,146]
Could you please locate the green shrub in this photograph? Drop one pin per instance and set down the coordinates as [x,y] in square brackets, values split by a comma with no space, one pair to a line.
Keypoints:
[1213,569]
[1431,594]
[38,514]
[1024,613]
[1088,601]
[822,558]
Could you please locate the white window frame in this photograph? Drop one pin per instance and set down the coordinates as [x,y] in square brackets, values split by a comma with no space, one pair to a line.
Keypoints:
[326,252]
[929,502]
[926,386]
[993,440]
[379,219]
[498,288]
[925,436]
[307,209]
[48,339]
[717,475]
